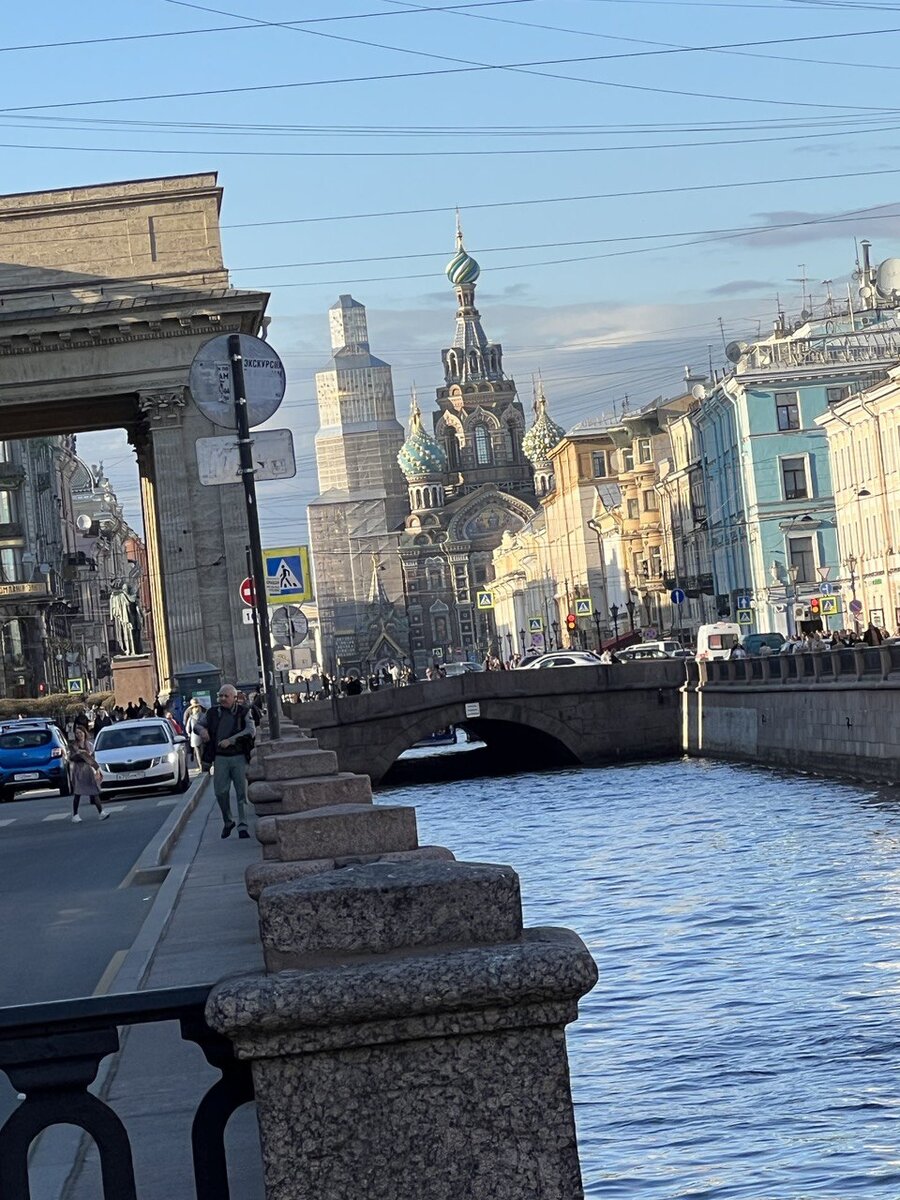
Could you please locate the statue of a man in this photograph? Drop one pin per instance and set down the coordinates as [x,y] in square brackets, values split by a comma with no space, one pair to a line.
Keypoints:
[121,608]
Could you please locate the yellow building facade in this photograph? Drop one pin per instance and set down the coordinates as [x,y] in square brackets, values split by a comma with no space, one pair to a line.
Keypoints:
[863,433]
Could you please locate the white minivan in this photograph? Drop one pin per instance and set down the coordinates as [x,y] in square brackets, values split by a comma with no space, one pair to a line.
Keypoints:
[717,641]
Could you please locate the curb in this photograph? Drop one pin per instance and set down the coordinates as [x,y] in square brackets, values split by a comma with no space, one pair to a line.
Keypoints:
[58,1154]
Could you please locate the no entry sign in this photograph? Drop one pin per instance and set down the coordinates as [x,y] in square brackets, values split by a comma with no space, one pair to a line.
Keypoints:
[248,592]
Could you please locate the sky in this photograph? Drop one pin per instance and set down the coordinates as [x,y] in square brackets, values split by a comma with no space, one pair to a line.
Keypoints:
[642,181]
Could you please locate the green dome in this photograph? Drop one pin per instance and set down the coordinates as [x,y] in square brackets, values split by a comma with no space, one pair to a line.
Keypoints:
[462,267]
[420,455]
[543,435]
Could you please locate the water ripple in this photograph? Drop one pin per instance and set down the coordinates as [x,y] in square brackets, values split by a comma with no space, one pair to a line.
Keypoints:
[743,1041]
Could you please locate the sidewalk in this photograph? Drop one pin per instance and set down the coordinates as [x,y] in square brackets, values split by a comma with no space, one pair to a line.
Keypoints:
[158,1079]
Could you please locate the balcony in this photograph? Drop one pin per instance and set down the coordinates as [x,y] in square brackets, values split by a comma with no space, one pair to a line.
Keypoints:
[12,475]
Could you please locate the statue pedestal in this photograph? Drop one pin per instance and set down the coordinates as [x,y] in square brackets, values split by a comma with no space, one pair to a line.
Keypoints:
[134,675]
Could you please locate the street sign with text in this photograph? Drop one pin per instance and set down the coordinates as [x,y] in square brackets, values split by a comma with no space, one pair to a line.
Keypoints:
[219,458]
[212,387]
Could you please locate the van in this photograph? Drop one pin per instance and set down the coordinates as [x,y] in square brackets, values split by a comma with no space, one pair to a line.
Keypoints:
[754,642]
[717,641]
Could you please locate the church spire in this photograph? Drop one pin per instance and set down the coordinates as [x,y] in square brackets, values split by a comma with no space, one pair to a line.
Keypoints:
[540,440]
[471,358]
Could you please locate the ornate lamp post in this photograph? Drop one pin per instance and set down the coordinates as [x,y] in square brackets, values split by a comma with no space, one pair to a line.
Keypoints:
[555,628]
[629,608]
[793,572]
[597,623]
[522,641]
[851,562]
[614,611]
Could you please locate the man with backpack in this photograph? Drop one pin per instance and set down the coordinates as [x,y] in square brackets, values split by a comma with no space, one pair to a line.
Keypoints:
[227,732]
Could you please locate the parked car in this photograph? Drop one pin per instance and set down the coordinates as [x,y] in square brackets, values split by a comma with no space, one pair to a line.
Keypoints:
[670,647]
[461,668]
[141,754]
[562,658]
[640,652]
[754,642]
[33,754]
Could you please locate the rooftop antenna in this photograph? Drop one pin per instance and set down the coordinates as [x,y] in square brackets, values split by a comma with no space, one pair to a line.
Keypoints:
[803,280]
[829,296]
[722,329]
[709,351]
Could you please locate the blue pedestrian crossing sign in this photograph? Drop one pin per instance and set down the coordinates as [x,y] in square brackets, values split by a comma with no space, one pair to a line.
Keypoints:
[76,687]
[583,608]
[744,616]
[484,600]
[535,624]
[287,575]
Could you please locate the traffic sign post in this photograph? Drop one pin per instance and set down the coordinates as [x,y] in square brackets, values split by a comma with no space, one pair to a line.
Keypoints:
[245,445]
[583,607]
[76,687]
[248,592]
[744,616]
[744,602]
[287,575]
[829,606]
[535,624]
[677,596]
[484,601]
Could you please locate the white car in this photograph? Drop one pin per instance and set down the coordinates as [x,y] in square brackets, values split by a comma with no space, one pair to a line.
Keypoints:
[562,658]
[142,754]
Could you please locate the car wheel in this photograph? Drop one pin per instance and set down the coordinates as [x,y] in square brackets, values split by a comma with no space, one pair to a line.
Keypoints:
[183,783]
[65,788]
[6,794]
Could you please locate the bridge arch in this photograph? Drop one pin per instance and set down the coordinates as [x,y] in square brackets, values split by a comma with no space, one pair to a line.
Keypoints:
[501,724]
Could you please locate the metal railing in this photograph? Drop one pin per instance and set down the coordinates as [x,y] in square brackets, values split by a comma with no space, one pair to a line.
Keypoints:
[51,1054]
[856,663]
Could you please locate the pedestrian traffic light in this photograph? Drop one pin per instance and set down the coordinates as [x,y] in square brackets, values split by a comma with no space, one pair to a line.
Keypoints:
[815,606]
[571,622]
[42,689]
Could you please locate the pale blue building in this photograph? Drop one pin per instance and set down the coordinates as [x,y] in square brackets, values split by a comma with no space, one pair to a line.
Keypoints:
[770,508]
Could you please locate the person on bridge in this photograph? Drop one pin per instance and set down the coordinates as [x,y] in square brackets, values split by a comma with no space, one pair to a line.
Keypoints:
[227,731]
[85,774]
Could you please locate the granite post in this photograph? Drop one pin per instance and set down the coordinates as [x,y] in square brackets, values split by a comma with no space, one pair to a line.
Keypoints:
[407,1039]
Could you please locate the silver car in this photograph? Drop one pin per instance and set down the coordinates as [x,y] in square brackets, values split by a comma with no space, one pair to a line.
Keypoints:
[562,658]
[142,754]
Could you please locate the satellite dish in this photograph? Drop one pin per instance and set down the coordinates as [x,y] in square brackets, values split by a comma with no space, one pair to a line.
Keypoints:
[805,314]
[698,391]
[887,278]
[83,522]
[735,351]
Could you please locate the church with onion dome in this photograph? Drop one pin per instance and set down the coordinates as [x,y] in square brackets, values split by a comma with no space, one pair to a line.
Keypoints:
[477,474]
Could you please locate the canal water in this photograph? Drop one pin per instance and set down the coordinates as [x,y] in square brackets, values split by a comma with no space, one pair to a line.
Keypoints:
[744,1038]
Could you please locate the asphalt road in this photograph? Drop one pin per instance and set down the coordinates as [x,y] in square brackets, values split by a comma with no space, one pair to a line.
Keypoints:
[65,916]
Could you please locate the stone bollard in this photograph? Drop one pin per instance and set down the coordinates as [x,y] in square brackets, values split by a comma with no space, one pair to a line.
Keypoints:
[408,1038]
[410,1042]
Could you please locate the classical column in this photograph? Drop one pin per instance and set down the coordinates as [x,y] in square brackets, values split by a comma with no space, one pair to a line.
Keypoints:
[168,480]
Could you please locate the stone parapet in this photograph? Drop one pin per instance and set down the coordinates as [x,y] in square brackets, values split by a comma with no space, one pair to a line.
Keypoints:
[442,1075]
[264,874]
[338,830]
[317,791]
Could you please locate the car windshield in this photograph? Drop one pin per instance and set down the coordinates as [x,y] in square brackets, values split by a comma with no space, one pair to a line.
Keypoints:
[722,641]
[120,736]
[25,739]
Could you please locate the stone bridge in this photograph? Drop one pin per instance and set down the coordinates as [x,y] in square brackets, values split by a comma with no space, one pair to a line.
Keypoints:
[528,719]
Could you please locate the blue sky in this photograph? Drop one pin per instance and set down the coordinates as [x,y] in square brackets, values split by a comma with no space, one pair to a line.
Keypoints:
[605,296]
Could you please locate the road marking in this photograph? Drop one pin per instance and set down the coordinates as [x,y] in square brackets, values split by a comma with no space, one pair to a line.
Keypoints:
[58,817]
[8,821]
[114,807]
[112,970]
[167,803]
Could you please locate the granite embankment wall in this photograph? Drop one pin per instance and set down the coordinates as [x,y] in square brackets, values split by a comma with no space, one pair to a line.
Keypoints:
[835,713]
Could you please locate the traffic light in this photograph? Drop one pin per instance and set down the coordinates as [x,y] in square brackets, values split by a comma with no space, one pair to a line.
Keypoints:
[42,689]
[571,622]
[815,606]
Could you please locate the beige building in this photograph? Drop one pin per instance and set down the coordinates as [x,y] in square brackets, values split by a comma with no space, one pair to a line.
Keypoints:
[523,589]
[863,433]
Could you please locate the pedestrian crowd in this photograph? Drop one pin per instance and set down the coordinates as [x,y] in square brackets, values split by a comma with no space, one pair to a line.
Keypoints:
[818,641]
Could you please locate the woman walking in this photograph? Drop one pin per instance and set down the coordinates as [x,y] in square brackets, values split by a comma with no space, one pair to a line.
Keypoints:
[85,775]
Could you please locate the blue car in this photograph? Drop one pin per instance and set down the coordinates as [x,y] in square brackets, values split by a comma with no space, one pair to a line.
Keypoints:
[33,754]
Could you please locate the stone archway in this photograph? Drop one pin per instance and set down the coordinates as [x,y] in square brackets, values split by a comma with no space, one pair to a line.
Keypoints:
[97,331]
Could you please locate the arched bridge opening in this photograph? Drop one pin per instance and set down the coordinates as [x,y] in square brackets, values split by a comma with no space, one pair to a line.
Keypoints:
[480,746]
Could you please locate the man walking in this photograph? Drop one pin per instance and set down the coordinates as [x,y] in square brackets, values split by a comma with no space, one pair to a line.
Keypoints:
[227,730]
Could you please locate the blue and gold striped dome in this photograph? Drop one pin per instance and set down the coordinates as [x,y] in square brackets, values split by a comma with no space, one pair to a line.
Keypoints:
[544,434]
[462,267]
[420,455]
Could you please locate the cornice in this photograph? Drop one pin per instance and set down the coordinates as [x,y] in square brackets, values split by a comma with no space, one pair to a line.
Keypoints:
[54,341]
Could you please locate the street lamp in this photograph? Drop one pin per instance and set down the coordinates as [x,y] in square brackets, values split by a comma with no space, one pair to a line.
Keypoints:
[850,562]
[555,627]
[597,619]
[614,611]
[629,608]
[522,641]
[793,572]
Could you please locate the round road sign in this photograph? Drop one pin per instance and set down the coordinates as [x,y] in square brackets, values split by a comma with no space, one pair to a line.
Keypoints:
[676,596]
[855,607]
[210,380]
[288,626]
[248,592]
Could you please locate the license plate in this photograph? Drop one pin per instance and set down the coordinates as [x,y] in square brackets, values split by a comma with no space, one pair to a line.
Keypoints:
[23,775]
[131,775]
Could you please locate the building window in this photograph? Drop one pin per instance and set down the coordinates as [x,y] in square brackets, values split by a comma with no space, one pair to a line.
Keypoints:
[793,478]
[803,558]
[628,460]
[6,508]
[651,501]
[633,508]
[482,446]
[836,394]
[9,572]
[655,561]
[787,410]
[598,464]
[451,446]
[645,450]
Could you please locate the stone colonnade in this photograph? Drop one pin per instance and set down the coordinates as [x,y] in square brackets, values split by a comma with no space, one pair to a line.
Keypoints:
[407,1038]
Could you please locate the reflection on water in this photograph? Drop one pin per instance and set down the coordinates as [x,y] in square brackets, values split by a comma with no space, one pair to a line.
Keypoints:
[744,1038]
